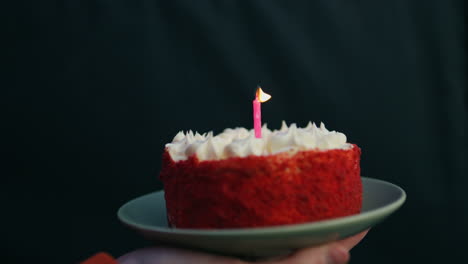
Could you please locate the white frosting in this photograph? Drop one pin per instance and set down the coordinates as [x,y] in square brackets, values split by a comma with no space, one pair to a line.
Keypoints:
[240,142]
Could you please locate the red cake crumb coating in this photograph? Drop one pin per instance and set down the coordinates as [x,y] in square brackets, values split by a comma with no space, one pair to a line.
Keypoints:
[259,191]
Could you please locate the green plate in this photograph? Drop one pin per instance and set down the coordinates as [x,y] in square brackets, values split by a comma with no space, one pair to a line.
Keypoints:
[147,215]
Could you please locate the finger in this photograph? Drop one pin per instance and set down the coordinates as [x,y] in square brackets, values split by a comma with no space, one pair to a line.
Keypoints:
[337,252]
[328,254]
[162,255]
[352,241]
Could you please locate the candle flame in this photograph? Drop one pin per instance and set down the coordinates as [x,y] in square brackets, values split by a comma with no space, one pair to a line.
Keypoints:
[262,96]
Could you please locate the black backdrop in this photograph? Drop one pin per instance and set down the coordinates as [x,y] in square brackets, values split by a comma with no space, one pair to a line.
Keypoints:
[101,86]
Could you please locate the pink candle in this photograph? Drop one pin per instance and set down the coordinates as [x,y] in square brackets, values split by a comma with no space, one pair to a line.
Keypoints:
[257,115]
[260,97]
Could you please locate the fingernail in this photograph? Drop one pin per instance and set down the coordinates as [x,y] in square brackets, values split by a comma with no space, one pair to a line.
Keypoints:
[337,255]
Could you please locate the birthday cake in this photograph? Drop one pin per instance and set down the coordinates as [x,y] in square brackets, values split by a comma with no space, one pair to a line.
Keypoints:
[235,180]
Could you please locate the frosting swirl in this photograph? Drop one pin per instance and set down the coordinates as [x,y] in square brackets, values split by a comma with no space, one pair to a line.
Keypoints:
[240,142]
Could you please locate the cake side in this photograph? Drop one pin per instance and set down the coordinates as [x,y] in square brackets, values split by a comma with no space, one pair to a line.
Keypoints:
[266,190]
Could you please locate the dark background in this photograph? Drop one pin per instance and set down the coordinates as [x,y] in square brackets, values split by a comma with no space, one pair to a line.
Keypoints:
[100,86]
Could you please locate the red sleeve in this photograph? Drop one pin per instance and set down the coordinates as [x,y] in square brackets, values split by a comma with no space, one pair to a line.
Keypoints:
[100,258]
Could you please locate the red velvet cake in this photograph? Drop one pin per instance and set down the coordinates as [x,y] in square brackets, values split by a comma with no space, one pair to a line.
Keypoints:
[293,175]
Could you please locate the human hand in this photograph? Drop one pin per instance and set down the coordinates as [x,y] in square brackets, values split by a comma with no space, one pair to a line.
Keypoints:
[332,253]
